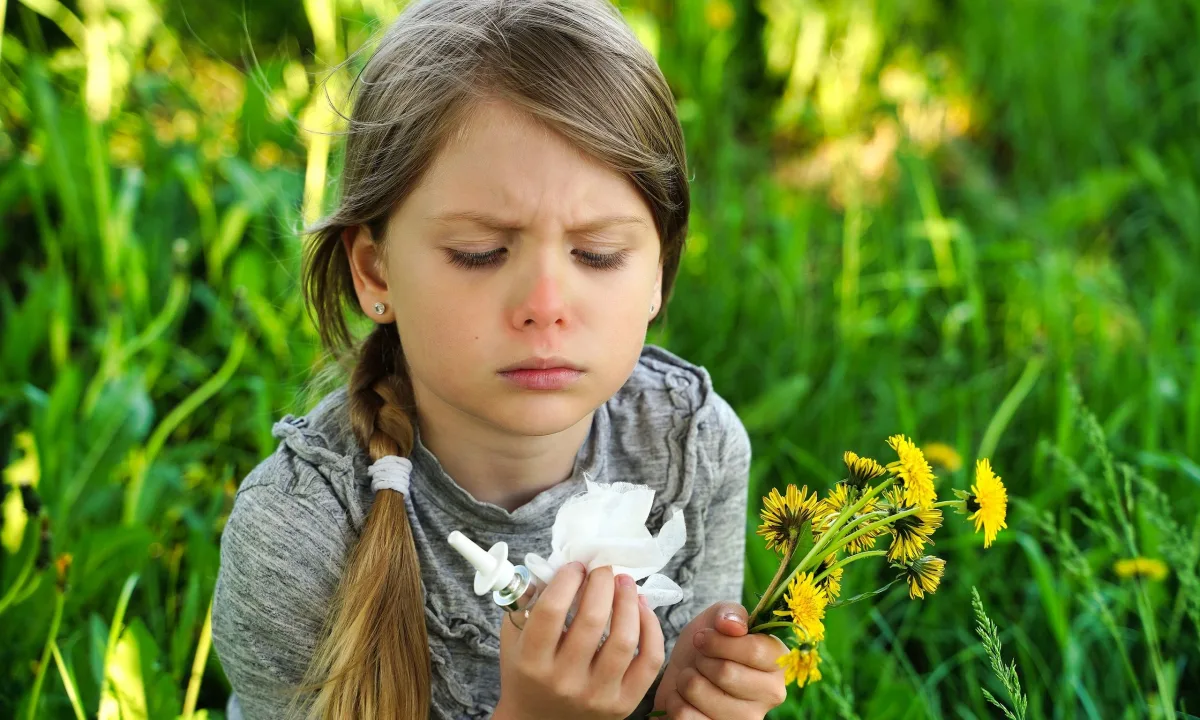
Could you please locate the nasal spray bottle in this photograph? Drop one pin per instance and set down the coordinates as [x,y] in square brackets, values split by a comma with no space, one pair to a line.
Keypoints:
[513,588]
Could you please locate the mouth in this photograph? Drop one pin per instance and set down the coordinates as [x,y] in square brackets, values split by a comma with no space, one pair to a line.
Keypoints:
[544,374]
[537,363]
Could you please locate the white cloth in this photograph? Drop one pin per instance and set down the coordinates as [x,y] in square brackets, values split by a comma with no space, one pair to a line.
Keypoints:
[606,525]
[390,472]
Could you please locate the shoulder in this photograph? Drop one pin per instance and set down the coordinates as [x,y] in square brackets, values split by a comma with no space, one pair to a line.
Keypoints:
[289,527]
[317,466]
[689,395]
[670,422]
[288,508]
[283,548]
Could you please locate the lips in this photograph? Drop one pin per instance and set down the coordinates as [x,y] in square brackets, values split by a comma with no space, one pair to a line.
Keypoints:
[545,374]
[540,363]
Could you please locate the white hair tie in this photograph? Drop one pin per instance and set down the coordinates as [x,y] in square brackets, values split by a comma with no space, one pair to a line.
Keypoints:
[390,472]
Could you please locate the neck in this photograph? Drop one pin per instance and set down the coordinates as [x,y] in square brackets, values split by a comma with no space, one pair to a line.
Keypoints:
[496,466]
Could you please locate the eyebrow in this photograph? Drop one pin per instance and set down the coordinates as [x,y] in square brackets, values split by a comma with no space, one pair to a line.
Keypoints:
[498,223]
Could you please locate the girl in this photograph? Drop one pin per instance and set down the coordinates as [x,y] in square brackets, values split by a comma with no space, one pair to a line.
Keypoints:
[514,205]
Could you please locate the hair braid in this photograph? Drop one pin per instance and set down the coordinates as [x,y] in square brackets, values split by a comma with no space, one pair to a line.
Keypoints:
[373,663]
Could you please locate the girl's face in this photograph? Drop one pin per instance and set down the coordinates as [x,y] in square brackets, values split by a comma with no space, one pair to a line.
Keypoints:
[516,246]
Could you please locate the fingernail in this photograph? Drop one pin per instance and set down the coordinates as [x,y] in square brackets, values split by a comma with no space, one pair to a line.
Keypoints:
[624,581]
[735,618]
[700,638]
[643,601]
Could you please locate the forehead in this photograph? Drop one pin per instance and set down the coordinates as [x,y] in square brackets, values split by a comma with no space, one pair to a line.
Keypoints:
[500,159]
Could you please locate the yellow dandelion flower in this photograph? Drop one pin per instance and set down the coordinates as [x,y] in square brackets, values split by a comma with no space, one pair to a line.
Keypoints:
[910,533]
[989,501]
[942,455]
[832,582]
[806,607]
[1140,567]
[800,665]
[832,505]
[914,470]
[784,516]
[924,575]
[862,469]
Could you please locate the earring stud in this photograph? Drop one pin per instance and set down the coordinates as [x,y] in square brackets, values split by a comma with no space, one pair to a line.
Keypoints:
[379,308]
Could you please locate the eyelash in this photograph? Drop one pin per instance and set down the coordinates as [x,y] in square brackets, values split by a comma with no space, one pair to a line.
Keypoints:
[472,261]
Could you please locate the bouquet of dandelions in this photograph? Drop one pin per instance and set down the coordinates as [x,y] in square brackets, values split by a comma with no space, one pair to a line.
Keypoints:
[897,500]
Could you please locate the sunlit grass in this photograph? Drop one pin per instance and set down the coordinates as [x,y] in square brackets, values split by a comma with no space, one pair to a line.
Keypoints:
[965,223]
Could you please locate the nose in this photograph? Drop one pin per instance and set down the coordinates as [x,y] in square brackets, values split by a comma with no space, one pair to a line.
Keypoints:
[541,302]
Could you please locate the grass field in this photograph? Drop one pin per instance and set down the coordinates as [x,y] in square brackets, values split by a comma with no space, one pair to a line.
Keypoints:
[974,223]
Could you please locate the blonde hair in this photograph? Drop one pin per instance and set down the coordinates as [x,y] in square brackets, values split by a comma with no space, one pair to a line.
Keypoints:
[573,65]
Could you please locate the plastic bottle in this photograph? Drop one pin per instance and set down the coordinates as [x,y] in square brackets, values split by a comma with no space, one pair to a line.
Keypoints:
[513,588]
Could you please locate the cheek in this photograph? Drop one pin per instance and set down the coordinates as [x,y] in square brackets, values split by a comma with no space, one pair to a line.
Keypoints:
[443,337]
[617,323]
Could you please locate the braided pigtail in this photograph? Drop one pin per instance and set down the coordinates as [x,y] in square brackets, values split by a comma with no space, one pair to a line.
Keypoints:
[373,663]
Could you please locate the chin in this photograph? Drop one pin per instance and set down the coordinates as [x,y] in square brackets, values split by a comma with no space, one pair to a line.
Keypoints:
[538,414]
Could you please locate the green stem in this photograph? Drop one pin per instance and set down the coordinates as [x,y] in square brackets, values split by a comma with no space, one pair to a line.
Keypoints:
[865,517]
[190,404]
[826,537]
[36,692]
[787,560]
[114,633]
[202,648]
[846,561]
[880,523]
[769,625]
[68,683]
[864,596]
[34,529]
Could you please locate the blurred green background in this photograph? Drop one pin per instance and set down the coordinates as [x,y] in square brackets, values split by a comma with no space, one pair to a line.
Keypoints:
[928,217]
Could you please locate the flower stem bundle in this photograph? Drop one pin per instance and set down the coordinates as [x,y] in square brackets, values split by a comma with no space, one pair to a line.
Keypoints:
[897,502]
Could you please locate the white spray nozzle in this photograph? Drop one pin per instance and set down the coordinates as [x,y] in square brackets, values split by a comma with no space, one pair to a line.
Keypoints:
[493,571]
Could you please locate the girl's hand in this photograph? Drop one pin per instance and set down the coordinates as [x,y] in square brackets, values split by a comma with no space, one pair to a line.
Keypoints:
[719,672]
[546,672]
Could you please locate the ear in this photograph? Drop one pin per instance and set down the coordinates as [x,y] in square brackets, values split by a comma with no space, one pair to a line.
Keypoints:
[366,267]
[656,298]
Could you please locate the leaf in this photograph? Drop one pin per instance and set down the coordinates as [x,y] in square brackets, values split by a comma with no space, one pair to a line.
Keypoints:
[1056,613]
[124,696]
[12,521]
[770,408]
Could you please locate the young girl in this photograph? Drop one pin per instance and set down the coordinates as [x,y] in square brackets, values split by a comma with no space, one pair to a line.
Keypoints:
[514,206]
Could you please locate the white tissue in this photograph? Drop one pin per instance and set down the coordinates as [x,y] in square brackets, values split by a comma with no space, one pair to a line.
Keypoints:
[606,525]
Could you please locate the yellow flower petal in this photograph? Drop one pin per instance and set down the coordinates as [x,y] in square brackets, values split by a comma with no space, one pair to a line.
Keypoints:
[783,516]
[1141,567]
[914,470]
[805,607]
[800,665]
[989,501]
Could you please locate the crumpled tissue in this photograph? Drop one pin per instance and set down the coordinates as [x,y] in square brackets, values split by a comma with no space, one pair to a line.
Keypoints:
[606,525]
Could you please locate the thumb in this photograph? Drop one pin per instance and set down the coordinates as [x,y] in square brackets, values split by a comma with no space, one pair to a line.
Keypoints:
[729,618]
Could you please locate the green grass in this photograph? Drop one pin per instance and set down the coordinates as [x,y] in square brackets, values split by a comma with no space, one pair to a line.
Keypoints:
[972,225]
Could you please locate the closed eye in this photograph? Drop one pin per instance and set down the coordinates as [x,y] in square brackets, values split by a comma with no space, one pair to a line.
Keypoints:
[603,261]
[472,261]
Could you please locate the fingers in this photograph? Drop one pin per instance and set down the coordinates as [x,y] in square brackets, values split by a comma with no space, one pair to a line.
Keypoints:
[651,653]
[678,709]
[543,630]
[743,682]
[729,618]
[700,692]
[758,651]
[510,634]
[614,657]
[595,609]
